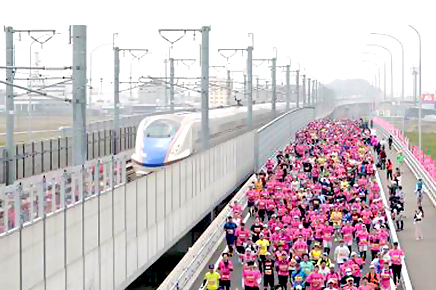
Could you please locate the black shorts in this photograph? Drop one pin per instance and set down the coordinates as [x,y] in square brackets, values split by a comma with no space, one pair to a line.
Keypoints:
[250,204]
[268,280]
[225,283]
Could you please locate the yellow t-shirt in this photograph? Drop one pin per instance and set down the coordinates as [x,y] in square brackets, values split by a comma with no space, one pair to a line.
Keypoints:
[263,246]
[315,255]
[212,280]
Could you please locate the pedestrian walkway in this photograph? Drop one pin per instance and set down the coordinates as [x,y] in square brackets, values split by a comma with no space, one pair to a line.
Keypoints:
[420,255]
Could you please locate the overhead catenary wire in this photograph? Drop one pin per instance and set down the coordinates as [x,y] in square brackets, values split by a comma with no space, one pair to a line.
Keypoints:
[36,92]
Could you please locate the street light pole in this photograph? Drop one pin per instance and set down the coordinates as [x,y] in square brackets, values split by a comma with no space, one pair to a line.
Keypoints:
[90,72]
[402,60]
[392,68]
[420,97]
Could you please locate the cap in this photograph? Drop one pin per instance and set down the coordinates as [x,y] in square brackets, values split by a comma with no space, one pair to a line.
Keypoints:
[211,267]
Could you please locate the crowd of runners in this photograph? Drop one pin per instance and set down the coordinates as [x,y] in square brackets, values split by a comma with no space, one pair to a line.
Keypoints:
[317,219]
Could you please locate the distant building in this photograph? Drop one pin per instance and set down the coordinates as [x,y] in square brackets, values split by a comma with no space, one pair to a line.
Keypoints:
[152,94]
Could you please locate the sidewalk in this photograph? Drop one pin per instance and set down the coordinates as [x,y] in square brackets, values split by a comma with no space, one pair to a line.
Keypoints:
[420,255]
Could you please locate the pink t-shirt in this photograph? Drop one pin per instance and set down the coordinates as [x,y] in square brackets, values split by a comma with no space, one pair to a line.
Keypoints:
[362,287]
[316,281]
[251,277]
[283,268]
[225,270]
[396,256]
[328,233]
[242,236]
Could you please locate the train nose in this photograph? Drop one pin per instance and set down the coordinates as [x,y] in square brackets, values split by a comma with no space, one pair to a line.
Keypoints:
[154,151]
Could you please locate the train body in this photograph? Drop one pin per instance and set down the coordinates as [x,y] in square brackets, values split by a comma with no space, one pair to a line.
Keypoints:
[165,139]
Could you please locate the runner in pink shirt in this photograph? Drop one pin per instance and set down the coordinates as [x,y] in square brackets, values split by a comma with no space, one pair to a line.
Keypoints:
[363,242]
[327,237]
[300,247]
[365,285]
[315,279]
[225,267]
[347,233]
[396,255]
[242,234]
[251,276]
[385,277]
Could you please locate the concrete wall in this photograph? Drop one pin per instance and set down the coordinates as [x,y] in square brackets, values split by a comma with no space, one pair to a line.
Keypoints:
[126,229]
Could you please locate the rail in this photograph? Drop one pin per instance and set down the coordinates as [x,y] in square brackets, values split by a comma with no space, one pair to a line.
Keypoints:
[416,167]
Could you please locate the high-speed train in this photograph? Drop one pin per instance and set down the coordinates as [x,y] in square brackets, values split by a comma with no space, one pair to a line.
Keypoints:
[165,139]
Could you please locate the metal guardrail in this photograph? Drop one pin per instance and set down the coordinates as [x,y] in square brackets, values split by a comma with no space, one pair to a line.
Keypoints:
[415,166]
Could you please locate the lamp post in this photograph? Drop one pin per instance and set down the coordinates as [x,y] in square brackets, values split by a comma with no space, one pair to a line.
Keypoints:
[402,60]
[90,71]
[384,74]
[420,97]
[392,70]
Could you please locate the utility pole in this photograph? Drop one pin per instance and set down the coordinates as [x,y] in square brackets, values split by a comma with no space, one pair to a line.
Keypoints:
[10,106]
[229,86]
[257,88]
[248,79]
[172,60]
[116,98]
[308,91]
[249,90]
[415,74]
[245,89]
[166,86]
[288,86]
[171,85]
[297,82]
[304,91]
[79,94]
[273,79]
[10,109]
[116,127]
[205,86]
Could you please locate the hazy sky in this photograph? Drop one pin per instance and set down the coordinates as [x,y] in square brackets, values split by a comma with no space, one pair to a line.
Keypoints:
[327,38]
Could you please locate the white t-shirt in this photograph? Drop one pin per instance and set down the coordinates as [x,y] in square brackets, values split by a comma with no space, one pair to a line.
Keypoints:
[341,253]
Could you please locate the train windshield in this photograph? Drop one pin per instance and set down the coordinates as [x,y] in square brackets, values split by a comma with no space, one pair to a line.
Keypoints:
[162,129]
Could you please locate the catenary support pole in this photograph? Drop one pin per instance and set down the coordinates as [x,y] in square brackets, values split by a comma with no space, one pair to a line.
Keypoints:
[79,94]
[229,86]
[166,85]
[297,82]
[273,80]
[308,91]
[250,85]
[384,83]
[116,129]
[304,91]
[288,86]
[205,86]
[10,110]
[171,85]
